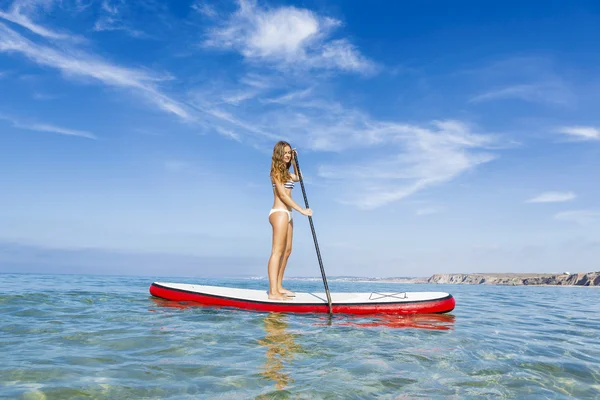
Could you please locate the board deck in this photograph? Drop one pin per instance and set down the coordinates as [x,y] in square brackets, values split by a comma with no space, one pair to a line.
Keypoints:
[311,302]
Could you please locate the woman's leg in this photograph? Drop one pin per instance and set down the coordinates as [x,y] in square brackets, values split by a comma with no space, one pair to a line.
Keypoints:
[279,222]
[284,260]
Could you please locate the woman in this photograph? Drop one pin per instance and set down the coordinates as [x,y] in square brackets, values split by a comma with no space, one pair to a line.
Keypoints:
[280,217]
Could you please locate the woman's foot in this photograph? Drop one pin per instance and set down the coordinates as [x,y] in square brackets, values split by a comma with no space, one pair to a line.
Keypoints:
[278,296]
[286,292]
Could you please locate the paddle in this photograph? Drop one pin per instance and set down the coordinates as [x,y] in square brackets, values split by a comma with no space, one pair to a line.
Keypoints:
[312,228]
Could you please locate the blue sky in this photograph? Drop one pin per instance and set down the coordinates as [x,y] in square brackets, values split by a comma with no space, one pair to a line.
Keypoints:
[135,137]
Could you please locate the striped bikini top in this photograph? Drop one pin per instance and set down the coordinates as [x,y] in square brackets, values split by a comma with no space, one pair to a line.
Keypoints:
[287,185]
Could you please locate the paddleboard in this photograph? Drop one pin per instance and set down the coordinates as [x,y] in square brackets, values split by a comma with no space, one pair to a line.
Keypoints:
[342,302]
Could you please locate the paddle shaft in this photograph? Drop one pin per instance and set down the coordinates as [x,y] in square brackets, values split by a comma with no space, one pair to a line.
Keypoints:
[312,228]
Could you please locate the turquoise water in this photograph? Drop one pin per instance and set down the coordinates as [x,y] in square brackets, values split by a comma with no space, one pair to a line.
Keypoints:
[70,336]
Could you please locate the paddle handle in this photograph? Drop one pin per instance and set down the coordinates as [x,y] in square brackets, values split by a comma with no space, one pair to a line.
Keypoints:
[314,234]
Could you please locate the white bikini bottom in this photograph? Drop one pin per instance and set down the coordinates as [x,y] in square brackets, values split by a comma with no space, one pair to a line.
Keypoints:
[281,209]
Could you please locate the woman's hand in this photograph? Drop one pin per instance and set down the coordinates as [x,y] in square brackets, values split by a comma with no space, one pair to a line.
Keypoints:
[298,173]
[307,212]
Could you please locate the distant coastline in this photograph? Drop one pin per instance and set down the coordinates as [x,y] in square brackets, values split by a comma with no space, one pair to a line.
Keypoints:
[505,279]
[516,279]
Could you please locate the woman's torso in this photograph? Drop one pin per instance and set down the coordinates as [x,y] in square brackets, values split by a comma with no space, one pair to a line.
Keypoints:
[277,202]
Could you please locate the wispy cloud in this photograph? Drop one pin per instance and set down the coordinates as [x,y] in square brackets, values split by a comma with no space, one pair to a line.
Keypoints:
[112,24]
[538,93]
[582,133]
[205,9]
[582,217]
[82,5]
[531,79]
[59,130]
[81,64]
[220,105]
[109,7]
[397,160]
[419,158]
[44,96]
[238,97]
[291,96]
[226,117]
[287,36]
[112,21]
[552,197]
[43,127]
[229,134]
[258,81]
[19,14]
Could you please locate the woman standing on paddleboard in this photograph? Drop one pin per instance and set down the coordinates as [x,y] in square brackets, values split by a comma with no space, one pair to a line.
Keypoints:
[280,217]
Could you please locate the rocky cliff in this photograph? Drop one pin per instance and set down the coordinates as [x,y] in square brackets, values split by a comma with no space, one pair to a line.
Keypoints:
[579,279]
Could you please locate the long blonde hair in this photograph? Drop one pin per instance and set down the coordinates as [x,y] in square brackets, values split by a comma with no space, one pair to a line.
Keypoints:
[279,168]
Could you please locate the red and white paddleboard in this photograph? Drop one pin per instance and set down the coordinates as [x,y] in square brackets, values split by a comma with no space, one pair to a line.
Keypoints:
[342,303]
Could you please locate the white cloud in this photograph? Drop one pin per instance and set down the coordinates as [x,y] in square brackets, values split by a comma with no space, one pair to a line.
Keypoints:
[287,36]
[582,217]
[43,127]
[81,64]
[583,133]
[18,14]
[343,55]
[552,197]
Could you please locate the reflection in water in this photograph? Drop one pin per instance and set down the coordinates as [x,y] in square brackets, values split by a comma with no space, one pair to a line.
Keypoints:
[442,322]
[167,303]
[280,348]
[276,322]
[162,303]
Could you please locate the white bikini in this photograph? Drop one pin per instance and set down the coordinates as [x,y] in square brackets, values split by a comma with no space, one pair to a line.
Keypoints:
[287,185]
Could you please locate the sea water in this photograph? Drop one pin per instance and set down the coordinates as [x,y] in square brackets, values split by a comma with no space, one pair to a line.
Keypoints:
[75,336]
